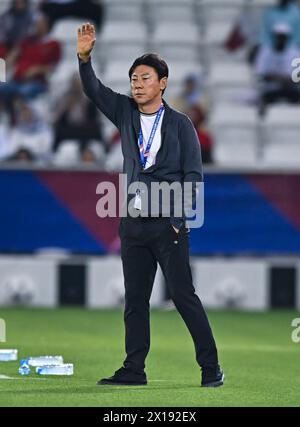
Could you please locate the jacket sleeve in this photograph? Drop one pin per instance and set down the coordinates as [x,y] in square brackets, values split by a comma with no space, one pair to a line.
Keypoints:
[108,101]
[191,164]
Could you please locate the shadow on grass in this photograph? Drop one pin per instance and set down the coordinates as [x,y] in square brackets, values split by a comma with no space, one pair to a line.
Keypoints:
[99,389]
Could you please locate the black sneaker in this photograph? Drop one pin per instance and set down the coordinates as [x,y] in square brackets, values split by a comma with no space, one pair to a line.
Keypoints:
[212,377]
[124,376]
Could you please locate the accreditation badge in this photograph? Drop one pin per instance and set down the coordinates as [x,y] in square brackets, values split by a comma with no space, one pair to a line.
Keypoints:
[138,200]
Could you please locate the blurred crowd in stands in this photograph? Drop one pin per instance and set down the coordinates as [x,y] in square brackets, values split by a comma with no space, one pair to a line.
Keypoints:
[272,38]
[31,54]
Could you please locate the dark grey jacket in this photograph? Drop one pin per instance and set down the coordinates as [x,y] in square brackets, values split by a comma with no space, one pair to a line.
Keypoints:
[179,157]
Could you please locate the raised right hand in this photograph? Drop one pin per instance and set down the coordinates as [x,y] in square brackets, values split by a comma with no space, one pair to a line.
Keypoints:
[86,39]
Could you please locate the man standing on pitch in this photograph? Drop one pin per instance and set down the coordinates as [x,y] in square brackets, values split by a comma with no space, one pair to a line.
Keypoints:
[159,145]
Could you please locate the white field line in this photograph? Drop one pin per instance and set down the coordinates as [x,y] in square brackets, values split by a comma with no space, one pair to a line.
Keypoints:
[5,377]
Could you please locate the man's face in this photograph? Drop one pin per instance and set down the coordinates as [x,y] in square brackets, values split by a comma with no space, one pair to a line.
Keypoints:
[41,26]
[145,85]
[19,6]
[280,41]
[190,86]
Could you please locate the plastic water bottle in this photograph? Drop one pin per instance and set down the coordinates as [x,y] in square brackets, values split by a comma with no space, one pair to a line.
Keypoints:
[8,355]
[63,369]
[45,361]
[24,368]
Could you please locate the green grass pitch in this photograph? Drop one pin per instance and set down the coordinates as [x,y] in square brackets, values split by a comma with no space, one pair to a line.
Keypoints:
[261,362]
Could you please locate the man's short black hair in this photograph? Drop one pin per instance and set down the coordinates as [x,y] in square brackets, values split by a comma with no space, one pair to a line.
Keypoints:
[152,60]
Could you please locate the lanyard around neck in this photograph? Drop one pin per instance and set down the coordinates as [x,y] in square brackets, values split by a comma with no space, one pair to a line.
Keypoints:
[144,153]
